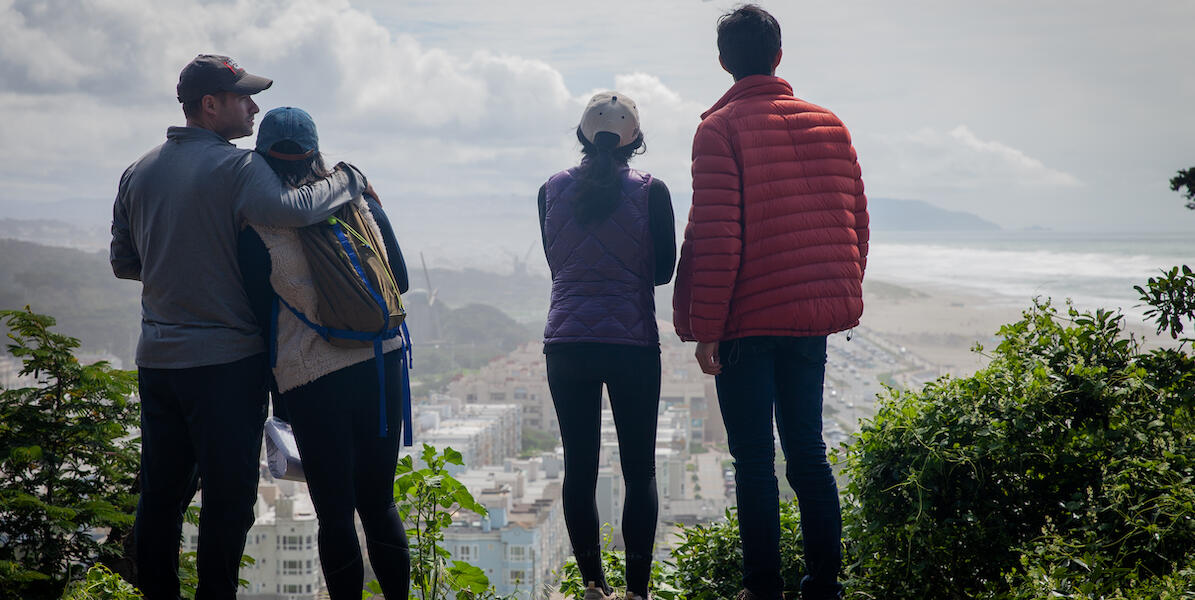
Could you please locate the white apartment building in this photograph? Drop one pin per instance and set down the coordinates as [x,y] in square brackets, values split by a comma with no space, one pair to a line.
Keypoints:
[484,434]
[282,543]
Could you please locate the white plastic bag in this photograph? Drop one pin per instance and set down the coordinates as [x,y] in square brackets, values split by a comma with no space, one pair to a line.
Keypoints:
[282,454]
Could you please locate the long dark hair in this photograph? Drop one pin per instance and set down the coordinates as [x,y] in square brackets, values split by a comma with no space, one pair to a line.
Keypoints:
[598,186]
[297,173]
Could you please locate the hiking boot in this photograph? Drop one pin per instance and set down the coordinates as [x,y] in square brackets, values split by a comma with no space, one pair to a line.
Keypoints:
[746,594]
[634,596]
[595,593]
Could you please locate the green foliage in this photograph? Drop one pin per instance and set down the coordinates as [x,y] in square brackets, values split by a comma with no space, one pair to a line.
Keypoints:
[709,557]
[1171,298]
[1068,461]
[188,572]
[706,563]
[1054,570]
[428,498]
[101,584]
[67,461]
[1185,179]
[614,567]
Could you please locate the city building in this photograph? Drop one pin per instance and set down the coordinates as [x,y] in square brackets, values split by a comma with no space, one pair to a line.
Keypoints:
[282,542]
[521,378]
[484,434]
[521,543]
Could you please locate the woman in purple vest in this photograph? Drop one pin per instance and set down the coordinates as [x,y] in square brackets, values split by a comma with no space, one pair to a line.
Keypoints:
[609,238]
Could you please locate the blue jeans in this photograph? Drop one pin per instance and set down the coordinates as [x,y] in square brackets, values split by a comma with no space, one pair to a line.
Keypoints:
[784,375]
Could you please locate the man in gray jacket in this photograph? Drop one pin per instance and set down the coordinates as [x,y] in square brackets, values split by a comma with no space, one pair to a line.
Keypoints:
[201,358]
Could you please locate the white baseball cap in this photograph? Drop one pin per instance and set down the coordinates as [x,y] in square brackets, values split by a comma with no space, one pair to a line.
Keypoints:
[612,112]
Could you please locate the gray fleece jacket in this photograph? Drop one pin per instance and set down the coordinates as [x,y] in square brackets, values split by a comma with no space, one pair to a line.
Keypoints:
[175,222]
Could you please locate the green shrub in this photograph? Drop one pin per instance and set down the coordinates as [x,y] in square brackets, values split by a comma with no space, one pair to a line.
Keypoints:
[1071,448]
[709,558]
[706,563]
[614,566]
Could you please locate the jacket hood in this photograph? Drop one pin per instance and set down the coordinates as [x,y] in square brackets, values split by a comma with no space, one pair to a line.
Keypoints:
[752,85]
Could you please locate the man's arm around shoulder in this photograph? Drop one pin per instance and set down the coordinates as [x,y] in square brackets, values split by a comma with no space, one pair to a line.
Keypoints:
[262,198]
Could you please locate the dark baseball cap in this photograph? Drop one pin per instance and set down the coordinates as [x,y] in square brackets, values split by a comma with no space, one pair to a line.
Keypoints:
[212,73]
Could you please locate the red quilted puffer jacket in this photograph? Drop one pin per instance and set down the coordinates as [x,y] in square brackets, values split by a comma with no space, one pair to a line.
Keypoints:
[777,236]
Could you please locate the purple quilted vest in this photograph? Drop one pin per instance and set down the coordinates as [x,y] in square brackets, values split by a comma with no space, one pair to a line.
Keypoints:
[602,273]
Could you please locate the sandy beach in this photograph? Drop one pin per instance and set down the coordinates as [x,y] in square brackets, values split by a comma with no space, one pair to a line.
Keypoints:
[936,324]
[942,325]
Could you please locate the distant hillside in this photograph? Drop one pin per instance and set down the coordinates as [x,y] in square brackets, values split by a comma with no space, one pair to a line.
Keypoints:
[890,214]
[522,295]
[55,233]
[76,288]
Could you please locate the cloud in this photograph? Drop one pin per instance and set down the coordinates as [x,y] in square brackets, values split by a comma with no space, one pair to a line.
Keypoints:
[103,72]
[1030,170]
[959,159]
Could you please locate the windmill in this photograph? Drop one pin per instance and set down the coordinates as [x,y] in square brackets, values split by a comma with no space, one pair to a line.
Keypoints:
[430,293]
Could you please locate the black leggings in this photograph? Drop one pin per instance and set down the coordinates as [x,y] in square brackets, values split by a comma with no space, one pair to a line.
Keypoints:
[632,378]
[348,467]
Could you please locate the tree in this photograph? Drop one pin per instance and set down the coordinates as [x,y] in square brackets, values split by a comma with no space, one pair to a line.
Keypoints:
[67,461]
[1185,179]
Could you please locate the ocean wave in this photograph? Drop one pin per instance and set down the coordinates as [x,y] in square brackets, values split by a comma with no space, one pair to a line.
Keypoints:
[1090,279]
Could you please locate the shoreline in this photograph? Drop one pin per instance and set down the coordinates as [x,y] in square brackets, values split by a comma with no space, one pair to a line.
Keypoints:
[941,324]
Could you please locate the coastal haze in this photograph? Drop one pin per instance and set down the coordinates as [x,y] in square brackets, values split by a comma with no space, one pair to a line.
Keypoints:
[1011,151]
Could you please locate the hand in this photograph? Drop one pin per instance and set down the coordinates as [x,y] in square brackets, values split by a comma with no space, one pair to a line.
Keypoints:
[372,194]
[368,186]
[707,357]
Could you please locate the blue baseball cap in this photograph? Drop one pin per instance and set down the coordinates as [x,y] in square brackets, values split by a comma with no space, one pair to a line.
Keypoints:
[287,123]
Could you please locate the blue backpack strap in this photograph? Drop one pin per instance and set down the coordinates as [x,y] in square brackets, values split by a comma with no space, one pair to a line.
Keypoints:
[407,362]
[356,262]
[323,332]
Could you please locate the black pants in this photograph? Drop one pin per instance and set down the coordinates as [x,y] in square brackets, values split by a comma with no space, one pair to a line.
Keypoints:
[203,422]
[632,378]
[350,468]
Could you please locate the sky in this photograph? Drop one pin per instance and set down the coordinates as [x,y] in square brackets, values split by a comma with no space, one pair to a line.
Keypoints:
[1070,115]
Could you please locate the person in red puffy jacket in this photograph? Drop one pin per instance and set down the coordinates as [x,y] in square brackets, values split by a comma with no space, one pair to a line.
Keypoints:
[772,263]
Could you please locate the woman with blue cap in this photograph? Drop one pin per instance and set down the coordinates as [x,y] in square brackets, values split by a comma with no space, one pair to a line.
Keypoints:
[330,393]
[609,237]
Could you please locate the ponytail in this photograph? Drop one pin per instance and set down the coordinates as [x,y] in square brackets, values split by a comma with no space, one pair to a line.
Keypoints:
[598,187]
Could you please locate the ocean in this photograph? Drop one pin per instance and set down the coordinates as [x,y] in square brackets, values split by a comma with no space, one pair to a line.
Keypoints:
[1011,267]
